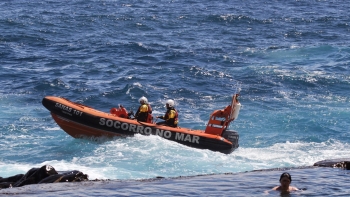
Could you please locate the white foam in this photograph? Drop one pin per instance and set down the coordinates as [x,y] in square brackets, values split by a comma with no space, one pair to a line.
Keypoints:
[149,156]
[292,154]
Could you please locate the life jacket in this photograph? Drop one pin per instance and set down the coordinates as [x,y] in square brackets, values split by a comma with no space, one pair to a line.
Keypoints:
[144,113]
[143,108]
[176,119]
[172,115]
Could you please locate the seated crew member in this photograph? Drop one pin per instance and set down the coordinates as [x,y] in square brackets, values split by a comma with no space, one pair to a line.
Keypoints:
[171,116]
[144,110]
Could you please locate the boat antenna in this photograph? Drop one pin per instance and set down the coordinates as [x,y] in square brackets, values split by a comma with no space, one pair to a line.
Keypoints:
[238,86]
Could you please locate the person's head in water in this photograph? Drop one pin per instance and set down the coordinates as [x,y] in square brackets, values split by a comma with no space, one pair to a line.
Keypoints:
[287,175]
[285,180]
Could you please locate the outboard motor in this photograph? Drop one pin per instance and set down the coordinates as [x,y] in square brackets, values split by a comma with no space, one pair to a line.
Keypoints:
[232,136]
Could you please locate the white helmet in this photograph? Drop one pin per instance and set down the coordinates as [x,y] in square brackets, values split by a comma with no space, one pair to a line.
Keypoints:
[143,99]
[170,102]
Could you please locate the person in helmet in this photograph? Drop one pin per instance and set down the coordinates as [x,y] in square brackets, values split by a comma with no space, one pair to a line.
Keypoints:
[144,112]
[171,116]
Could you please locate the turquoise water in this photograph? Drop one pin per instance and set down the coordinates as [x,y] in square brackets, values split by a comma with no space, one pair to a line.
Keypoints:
[290,59]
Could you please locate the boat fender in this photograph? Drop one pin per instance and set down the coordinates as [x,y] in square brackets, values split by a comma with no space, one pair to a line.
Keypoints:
[236,110]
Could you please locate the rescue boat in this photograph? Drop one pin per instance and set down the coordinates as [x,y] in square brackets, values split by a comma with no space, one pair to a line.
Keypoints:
[81,121]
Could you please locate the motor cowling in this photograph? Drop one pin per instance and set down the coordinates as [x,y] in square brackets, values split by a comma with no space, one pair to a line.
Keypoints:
[232,136]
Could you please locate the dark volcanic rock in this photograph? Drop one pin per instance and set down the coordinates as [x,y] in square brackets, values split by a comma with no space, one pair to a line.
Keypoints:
[45,174]
[334,163]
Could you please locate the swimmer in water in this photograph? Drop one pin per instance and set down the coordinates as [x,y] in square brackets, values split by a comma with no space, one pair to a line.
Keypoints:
[285,181]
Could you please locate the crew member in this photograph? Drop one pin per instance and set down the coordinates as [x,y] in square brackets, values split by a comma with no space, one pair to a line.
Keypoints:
[171,116]
[144,112]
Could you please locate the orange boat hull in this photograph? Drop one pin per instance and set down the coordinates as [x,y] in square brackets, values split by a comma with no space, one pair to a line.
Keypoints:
[79,121]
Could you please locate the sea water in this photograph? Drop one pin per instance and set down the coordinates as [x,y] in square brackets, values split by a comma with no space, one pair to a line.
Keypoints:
[288,60]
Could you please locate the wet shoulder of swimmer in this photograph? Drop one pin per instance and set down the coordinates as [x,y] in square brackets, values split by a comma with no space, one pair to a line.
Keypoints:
[285,181]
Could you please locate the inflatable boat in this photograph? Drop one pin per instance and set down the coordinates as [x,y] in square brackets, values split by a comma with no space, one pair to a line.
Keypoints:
[81,121]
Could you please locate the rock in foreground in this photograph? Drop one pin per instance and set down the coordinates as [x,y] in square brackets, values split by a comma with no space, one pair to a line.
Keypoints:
[45,174]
